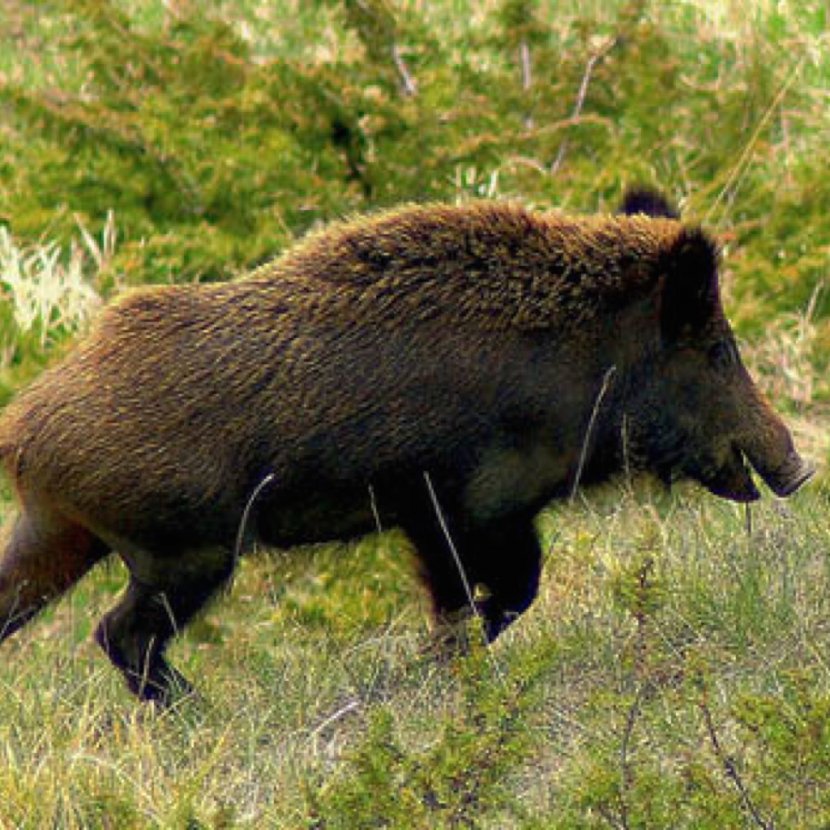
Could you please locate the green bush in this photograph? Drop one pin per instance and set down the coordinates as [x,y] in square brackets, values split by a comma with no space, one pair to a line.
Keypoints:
[215,148]
[460,776]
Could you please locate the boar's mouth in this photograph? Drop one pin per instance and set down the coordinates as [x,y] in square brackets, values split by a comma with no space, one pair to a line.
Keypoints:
[732,480]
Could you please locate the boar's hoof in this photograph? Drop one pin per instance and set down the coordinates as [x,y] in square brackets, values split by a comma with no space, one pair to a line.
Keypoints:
[163,686]
[450,635]
[495,624]
[147,674]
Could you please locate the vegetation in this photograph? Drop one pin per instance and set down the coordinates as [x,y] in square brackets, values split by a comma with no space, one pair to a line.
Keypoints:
[674,671]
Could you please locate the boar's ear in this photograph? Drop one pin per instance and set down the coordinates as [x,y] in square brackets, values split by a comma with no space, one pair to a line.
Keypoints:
[647,201]
[690,294]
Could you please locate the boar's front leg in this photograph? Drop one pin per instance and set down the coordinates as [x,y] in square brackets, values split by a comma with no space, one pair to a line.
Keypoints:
[501,560]
[136,632]
[509,564]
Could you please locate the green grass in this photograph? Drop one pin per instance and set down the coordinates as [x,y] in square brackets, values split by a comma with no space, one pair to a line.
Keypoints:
[674,671]
[662,627]
[215,147]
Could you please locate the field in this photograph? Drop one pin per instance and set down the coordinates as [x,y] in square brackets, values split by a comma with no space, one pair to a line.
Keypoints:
[675,670]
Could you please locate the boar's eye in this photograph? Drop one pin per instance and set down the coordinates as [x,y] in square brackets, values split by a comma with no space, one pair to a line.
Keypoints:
[724,355]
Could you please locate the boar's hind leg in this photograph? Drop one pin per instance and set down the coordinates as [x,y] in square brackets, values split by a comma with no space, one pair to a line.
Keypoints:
[44,554]
[136,632]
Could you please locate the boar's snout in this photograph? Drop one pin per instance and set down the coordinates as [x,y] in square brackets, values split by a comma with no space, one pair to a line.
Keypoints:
[733,480]
[761,443]
[771,452]
[789,476]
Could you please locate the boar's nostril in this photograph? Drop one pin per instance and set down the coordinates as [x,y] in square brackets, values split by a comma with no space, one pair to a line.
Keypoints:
[790,479]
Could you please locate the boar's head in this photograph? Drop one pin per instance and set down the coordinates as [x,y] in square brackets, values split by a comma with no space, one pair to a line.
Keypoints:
[696,412]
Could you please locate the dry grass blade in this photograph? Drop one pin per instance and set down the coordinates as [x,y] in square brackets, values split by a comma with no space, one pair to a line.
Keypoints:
[48,292]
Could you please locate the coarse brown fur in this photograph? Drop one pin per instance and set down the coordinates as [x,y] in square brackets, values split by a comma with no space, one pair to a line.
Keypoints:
[243,365]
[500,351]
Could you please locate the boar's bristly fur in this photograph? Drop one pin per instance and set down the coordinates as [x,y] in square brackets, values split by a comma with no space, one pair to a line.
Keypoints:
[508,355]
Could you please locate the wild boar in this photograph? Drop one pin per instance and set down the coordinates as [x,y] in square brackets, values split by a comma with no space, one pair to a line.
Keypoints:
[490,356]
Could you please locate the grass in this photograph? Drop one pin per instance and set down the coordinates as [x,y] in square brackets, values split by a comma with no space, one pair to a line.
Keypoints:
[50,294]
[674,671]
[661,623]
